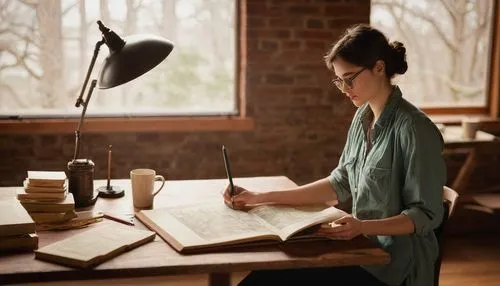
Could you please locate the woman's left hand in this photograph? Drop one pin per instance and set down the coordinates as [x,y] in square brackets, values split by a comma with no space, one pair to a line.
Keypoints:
[345,228]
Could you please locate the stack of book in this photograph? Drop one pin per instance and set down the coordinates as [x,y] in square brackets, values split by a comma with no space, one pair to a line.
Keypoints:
[17,228]
[46,198]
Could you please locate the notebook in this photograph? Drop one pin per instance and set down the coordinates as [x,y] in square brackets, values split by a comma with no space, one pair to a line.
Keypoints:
[94,246]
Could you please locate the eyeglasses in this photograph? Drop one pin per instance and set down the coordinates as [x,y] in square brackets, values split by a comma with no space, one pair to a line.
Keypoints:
[344,83]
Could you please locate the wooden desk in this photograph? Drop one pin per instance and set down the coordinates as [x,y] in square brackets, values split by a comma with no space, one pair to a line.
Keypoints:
[455,143]
[158,258]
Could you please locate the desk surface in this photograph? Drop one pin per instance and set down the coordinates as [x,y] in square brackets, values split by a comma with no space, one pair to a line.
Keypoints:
[158,258]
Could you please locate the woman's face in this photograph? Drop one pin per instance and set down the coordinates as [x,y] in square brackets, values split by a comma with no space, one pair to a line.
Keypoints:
[358,83]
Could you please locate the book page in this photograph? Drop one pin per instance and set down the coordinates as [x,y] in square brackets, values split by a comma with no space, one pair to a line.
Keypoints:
[288,220]
[216,221]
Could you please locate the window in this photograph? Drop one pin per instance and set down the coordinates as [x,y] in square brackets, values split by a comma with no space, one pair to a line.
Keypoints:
[448,49]
[46,47]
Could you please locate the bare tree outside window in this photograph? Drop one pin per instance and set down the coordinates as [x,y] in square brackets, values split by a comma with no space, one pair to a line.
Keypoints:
[448,48]
[46,46]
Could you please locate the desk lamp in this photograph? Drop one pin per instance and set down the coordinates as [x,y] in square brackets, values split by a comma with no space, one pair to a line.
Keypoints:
[129,58]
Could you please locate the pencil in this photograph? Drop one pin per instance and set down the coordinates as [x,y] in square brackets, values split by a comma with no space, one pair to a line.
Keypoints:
[128,221]
[228,172]
[109,169]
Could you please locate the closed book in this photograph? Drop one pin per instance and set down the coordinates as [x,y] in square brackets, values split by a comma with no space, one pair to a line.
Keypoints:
[53,217]
[23,195]
[46,178]
[65,205]
[82,219]
[26,242]
[14,219]
[94,246]
[36,189]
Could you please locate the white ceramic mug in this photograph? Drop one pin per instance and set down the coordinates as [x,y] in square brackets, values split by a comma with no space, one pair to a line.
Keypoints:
[143,181]
[470,126]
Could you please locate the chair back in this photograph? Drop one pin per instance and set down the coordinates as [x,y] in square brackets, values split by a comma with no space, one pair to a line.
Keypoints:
[449,202]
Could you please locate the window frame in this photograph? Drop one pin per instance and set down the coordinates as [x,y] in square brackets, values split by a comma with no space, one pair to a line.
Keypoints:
[189,123]
[490,112]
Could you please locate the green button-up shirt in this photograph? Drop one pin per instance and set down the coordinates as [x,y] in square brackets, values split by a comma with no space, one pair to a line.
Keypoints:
[403,173]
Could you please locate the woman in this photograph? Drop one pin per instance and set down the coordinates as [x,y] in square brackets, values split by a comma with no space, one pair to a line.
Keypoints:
[391,167]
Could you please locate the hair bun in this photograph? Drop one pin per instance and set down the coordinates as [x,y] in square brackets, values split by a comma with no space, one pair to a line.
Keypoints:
[398,51]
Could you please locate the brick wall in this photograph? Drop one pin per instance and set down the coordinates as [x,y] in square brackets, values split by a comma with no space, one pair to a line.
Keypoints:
[301,121]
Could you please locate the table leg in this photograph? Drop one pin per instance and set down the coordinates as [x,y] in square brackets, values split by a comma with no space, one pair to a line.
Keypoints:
[219,279]
[461,181]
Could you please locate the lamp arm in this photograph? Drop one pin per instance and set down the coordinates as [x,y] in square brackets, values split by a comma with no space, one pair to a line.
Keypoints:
[82,116]
[98,45]
[80,101]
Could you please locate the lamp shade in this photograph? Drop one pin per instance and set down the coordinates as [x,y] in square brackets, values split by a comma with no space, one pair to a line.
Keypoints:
[139,54]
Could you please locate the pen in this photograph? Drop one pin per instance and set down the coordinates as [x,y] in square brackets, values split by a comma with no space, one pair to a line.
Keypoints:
[228,172]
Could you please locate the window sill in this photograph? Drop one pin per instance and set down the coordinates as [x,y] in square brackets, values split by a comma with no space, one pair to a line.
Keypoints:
[456,119]
[488,123]
[112,125]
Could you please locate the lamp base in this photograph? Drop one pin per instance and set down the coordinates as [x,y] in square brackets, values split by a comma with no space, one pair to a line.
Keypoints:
[111,192]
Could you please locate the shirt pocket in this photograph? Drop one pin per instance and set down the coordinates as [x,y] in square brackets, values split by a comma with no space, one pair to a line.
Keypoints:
[376,181]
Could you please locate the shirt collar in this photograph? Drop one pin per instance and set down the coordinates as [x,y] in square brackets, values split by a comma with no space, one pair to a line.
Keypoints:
[389,109]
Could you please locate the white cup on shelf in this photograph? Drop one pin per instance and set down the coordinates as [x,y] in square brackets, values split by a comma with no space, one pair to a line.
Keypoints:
[470,126]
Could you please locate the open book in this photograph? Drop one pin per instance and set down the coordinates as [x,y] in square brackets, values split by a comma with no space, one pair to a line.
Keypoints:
[194,228]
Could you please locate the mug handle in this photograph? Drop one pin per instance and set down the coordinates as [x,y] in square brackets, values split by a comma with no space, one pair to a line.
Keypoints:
[162,179]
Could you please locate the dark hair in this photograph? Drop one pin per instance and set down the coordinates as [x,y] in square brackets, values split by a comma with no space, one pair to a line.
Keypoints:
[363,46]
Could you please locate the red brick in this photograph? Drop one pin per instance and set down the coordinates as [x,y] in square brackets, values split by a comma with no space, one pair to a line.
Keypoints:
[269,45]
[256,22]
[291,45]
[343,23]
[303,9]
[279,79]
[309,67]
[315,24]
[297,57]
[316,45]
[313,34]
[268,33]
[256,9]
[305,80]
[280,22]
[307,90]
[344,10]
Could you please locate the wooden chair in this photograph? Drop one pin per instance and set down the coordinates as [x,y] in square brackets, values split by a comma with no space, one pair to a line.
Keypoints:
[449,201]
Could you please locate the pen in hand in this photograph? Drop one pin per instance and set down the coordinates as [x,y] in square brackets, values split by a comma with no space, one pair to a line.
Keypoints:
[228,172]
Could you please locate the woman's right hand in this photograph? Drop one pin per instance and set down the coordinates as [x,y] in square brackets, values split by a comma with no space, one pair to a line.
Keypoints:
[242,199]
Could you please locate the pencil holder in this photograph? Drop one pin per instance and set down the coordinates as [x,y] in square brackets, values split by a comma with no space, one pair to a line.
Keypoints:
[81,182]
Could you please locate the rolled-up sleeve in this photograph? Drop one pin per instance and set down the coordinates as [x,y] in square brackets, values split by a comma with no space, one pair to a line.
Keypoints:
[339,179]
[425,175]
